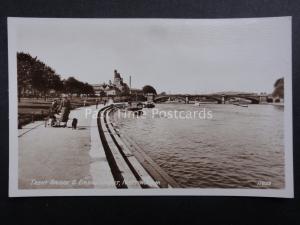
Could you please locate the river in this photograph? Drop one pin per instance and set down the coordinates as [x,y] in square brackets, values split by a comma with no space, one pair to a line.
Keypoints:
[235,147]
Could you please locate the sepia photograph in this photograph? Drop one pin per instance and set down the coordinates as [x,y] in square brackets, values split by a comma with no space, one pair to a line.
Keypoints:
[150,107]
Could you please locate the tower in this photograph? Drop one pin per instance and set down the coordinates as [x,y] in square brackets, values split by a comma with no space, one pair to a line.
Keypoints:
[117,79]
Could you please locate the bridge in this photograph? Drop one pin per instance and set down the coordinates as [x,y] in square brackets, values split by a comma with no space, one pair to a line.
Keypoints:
[218,98]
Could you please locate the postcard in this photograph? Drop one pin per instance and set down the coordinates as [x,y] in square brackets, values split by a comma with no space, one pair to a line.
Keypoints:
[111,107]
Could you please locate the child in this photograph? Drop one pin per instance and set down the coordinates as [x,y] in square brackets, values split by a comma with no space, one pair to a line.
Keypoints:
[74,124]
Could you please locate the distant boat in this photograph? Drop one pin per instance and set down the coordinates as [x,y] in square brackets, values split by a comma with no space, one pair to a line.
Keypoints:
[177,101]
[198,103]
[238,104]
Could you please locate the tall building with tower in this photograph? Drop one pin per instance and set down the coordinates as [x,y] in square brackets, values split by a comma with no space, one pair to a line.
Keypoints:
[113,88]
[118,80]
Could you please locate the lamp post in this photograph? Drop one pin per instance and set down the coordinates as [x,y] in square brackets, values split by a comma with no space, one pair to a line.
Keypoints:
[130,85]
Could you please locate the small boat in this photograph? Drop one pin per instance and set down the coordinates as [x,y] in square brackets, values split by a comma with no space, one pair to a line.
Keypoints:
[238,104]
[135,106]
[120,105]
[149,105]
[199,103]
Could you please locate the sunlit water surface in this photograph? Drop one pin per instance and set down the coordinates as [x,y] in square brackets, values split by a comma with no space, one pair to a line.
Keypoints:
[238,148]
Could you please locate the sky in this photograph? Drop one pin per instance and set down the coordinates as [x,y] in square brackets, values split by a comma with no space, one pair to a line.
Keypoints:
[188,56]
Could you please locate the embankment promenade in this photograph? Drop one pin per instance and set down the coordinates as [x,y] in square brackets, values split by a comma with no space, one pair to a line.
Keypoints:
[94,156]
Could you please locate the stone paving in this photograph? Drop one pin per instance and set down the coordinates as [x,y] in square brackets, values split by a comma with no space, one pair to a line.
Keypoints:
[56,158]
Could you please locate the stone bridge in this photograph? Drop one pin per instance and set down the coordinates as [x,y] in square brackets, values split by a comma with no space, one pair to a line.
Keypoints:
[220,99]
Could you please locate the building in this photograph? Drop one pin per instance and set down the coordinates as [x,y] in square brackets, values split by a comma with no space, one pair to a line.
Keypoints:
[99,89]
[118,80]
[114,88]
[136,91]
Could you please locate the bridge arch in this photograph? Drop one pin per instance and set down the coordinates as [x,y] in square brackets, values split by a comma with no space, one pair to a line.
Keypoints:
[254,100]
[206,97]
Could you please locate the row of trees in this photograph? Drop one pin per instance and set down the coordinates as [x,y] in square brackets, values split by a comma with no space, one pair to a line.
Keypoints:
[38,79]
[74,86]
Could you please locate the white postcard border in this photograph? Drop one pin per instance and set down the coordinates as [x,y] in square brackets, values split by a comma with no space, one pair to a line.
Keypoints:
[287,192]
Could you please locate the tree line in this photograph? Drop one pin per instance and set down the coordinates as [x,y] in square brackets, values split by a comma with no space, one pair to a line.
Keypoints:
[37,79]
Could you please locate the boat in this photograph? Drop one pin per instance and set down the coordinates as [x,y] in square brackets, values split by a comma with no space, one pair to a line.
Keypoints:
[135,106]
[199,103]
[121,105]
[238,104]
[169,101]
[148,105]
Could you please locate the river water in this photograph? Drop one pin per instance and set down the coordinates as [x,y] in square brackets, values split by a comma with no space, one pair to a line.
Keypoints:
[235,147]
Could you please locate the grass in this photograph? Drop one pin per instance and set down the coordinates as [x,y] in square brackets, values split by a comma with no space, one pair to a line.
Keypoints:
[32,109]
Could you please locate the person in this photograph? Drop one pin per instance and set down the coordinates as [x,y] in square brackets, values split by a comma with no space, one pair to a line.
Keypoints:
[65,108]
[54,106]
[51,114]
[97,102]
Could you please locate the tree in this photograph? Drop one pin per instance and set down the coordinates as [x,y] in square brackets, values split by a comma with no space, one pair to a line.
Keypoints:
[71,85]
[33,74]
[88,89]
[74,86]
[125,90]
[36,77]
[102,93]
[149,90]
[279,88]
[24,67]
[39,77]
[56,83]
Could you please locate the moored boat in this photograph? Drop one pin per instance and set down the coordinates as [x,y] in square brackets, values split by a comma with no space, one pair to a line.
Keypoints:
[135,106]
[149,105]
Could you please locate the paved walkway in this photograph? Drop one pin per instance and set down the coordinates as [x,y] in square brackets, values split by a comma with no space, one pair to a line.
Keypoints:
[63,158]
